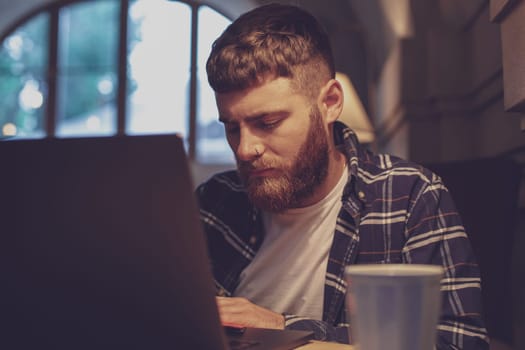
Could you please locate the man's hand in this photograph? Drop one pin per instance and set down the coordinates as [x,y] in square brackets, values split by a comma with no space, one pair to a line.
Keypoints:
[241,312]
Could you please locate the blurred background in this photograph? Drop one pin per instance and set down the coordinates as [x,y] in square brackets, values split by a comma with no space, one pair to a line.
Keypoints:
[440,82]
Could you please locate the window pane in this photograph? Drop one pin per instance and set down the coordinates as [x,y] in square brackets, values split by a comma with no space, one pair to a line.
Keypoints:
[23,65]
[87,73]
[211,145]
[159,67]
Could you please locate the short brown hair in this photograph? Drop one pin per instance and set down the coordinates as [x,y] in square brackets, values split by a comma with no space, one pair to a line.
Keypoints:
[273,40]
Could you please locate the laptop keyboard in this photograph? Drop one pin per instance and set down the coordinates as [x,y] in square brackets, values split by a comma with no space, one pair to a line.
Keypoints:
[237,344]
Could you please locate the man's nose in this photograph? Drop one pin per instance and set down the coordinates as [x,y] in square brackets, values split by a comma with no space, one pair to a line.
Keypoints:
[249,146]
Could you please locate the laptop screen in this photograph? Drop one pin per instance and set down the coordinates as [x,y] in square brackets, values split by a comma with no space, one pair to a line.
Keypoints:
[101,246]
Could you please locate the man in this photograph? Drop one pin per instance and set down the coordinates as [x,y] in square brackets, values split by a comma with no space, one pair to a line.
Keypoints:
[308,200]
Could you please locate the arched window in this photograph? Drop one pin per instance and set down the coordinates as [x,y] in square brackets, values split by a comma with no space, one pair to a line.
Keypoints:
[113,67]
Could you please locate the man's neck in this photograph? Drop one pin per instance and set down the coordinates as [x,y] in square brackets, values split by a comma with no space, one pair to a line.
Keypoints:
[336,166]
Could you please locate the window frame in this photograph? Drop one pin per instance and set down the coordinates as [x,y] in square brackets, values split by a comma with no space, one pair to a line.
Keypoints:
[50,114]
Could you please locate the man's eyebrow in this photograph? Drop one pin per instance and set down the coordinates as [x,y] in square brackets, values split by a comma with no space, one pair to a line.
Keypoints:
[252,118]
[255,117]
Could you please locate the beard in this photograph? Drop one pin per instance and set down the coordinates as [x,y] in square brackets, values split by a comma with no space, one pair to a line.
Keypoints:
[297,181]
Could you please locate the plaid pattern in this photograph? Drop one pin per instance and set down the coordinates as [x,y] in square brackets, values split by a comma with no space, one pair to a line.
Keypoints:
[393,211]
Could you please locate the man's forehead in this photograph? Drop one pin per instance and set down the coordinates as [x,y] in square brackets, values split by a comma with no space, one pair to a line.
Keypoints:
[275,95]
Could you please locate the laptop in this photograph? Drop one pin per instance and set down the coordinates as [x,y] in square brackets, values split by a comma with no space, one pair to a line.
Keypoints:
[101,247]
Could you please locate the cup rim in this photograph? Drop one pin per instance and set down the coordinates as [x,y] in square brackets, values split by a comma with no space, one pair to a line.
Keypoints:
[398,270]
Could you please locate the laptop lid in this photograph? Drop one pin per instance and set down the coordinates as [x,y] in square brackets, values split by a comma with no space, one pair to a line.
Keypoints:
[101,247]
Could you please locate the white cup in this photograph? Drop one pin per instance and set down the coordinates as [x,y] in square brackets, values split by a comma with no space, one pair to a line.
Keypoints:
[393,306]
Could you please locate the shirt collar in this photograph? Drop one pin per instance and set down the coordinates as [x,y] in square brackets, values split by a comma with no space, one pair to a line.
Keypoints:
[356,190]
[346,142]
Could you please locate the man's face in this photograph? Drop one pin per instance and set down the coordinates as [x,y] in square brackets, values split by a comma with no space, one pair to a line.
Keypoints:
[280,143]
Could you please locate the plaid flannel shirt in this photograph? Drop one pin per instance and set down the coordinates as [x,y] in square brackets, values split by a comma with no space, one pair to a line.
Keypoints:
[393,211]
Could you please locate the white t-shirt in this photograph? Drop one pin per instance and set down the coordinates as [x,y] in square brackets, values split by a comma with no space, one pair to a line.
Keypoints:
[288,273]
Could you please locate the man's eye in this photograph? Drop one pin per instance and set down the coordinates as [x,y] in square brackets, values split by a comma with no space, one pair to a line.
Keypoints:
[268,124]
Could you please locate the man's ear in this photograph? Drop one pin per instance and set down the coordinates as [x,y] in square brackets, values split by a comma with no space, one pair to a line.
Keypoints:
[330,100]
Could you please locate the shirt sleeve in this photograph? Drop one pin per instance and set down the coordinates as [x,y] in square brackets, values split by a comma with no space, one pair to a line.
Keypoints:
[435,235]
